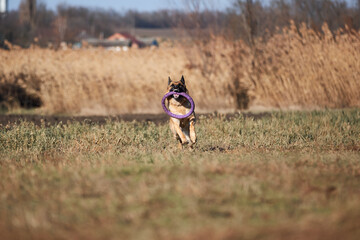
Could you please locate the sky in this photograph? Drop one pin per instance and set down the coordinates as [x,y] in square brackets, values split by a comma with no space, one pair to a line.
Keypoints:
[123,5]
[139,5]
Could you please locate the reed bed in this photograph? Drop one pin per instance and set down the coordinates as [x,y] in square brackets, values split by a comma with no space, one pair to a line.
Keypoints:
[307,69]
[95,81]
[298,68]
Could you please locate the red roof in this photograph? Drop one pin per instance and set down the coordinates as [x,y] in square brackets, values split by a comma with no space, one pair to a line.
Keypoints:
[125,35]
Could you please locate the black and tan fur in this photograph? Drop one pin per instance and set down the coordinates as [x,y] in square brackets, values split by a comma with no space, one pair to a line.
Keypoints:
[183,129]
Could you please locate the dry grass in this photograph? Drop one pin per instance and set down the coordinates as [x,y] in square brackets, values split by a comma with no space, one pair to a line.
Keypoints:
[288,176]
[101,82]
[299,68]
[307,69]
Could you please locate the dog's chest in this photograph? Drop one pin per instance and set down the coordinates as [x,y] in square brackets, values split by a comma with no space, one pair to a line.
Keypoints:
[180,108]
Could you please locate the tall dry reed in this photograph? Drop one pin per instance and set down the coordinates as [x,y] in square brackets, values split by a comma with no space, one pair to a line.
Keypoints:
[95,81]
[298,68]
[306,69]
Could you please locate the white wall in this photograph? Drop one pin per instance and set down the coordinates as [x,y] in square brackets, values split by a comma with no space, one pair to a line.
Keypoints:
[3,7]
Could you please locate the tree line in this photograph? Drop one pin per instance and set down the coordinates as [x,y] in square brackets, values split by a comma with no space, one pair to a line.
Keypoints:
[34,22]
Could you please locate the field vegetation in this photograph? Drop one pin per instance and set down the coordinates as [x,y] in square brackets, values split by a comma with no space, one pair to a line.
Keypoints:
[292,175]
[279,175]
[298,68]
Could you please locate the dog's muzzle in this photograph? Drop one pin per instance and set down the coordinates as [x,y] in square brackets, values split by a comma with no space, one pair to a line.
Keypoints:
[176,96]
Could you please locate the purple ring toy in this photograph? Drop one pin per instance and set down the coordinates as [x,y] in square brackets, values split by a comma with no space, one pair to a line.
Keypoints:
[174,115]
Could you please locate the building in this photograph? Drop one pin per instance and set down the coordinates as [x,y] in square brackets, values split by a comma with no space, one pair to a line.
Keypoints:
[4,6]
[149,41]
[121,40]
[124,36]
[108,44]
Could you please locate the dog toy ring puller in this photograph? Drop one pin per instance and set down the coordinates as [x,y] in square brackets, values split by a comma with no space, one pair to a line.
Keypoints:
[174,115]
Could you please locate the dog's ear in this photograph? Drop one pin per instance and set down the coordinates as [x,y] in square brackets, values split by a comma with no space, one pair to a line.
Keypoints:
[169,81]
[182,80]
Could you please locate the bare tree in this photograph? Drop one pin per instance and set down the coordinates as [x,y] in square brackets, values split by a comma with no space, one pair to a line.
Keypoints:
[200,26]
[61,26]
[248,22]
[28,12]
[248,19]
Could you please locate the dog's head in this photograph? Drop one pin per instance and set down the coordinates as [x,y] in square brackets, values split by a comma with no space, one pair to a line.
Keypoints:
[177,86]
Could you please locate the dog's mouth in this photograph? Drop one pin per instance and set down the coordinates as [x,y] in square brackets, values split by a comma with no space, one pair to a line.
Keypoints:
[175,95]
[177,89]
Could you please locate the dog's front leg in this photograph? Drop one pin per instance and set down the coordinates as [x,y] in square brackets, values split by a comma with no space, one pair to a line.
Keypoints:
[176,125]
[192,131]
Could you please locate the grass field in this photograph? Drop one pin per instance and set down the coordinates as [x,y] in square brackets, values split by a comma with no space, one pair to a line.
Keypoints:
[294,175]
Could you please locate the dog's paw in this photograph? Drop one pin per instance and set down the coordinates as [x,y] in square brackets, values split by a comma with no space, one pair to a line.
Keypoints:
[185,143]
[191,146]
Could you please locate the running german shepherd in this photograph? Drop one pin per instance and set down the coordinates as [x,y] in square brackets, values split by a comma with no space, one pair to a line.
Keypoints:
[183,129]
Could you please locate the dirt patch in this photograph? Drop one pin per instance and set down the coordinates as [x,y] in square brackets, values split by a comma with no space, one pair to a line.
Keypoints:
[155,118]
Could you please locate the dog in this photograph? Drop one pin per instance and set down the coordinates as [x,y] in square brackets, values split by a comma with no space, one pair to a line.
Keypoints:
[183,129]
